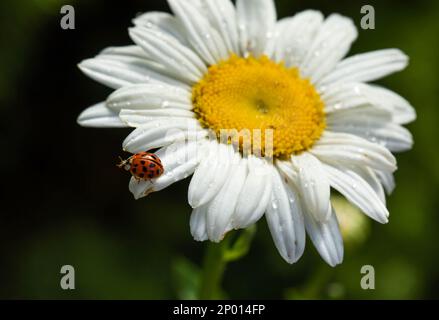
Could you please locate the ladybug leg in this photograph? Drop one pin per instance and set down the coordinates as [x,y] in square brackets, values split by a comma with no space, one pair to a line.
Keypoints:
[122,163]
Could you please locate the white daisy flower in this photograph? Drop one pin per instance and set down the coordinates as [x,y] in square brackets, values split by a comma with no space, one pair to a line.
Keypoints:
[214,66]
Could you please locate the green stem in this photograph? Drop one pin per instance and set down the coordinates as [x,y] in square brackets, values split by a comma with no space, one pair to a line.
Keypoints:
[217,256]
[213,270]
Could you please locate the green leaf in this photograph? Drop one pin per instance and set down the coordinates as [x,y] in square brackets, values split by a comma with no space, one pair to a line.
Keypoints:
[187,278]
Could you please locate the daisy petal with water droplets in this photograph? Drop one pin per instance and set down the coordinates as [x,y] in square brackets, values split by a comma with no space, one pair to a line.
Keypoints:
[210,175]
[254,195]
[313,185]
[285,219]
[100,116]
[326,237]
[221,209]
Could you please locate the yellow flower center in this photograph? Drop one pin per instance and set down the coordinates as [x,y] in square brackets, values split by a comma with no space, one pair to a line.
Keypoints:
[262,104]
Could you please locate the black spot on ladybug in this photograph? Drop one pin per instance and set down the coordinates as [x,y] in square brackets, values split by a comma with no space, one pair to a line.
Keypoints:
[151,175]
[152,165]
[158,171]
[143,162]
[136,165]
[145,169]
[141,175]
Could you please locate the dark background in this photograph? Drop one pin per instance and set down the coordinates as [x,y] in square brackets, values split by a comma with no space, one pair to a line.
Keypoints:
[65,202]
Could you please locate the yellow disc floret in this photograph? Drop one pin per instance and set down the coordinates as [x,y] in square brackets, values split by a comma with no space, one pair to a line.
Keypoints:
[278,111]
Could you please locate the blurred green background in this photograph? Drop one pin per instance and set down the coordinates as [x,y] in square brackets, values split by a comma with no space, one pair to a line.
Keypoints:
[64,202]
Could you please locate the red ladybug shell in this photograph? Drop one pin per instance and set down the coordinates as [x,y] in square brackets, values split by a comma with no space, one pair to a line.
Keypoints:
[145,166]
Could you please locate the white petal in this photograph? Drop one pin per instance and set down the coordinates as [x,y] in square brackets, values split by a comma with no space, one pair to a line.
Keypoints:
[293,37]
[179,160]
[163,22]
[402,111]
[274,41]
[124,53]
[100,116]
[285,220]
[367,67]
[326,237]
[139,187]
[256,24]
[109,73]
[162,132]
[137,118]
[372,123]
[149,96]
[166,50]
[222,16]
[372,179]
[134,57]
[343,96]
[387,179]
[358,191]
[330,45]
[312,185]
[365,114]
[115,70]
[390,135]
[349,149]
[203,38]
[222,207]
[210,175]
[286,169]
[255,194]
[198,223]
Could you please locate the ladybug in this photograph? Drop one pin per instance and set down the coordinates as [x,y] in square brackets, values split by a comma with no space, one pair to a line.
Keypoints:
[143,166]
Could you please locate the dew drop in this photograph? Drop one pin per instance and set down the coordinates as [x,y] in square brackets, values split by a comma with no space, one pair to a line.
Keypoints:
[291,199]
[169,174]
